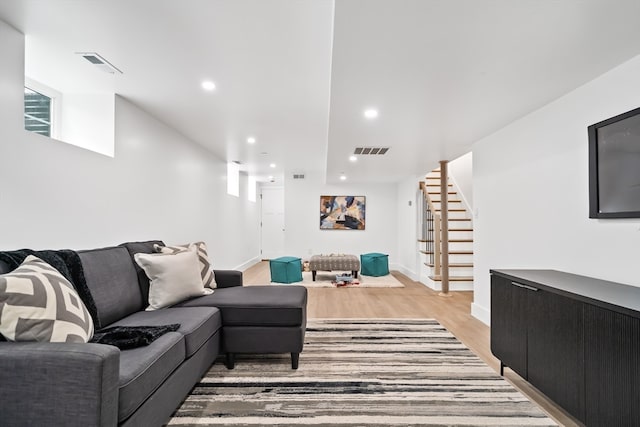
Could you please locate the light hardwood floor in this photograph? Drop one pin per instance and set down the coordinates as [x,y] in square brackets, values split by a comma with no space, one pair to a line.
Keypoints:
[413,301]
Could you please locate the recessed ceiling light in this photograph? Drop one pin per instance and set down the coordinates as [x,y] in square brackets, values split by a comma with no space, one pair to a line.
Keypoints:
[371,113]
[251,140]
[343,177]
[208,85]
[353,159]
[272,165]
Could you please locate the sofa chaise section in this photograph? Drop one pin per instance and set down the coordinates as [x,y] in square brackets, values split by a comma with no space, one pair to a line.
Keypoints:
[259,319]
[255,319]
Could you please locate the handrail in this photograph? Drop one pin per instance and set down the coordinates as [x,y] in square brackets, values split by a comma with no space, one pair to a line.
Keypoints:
[432,236]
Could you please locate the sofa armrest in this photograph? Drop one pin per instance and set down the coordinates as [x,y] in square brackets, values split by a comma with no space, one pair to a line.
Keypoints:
[51,384]
[228,278]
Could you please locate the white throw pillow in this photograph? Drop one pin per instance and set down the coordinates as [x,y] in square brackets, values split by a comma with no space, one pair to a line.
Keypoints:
[174,277]
[208,278]
[37,303]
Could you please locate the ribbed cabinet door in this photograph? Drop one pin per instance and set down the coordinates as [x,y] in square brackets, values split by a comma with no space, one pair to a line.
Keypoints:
[509,324]
[612,359]
[556,349]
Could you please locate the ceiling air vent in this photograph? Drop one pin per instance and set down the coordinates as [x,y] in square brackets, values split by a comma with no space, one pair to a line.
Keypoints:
[99,62]
[298,176]
[373,151]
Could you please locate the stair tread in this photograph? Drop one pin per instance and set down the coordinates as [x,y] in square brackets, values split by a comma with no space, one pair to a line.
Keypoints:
[452,265]
[450,240]
[452,219]
[453,278]
[455,229]
[452,210]
[450,252]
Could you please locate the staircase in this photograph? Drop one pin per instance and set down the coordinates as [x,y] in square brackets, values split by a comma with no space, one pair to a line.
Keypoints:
[460,237]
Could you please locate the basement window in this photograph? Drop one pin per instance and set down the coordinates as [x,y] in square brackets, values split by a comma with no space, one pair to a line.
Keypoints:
[38,112]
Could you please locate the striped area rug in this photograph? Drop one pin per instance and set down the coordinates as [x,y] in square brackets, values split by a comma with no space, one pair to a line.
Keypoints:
[362,372]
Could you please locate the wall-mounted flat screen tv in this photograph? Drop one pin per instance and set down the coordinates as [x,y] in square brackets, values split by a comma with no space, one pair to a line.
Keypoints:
[614,167]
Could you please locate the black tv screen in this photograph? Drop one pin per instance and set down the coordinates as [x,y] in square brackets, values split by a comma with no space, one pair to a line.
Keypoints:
[614,167]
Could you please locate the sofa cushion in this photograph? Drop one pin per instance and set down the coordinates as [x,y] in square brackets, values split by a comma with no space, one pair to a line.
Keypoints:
[38,304]
[143,248]
[144,369]
[208,279]
[256,305]
[197,324]
[174,277]
[111,278]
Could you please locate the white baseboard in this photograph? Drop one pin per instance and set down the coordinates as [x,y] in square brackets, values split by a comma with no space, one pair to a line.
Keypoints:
[481,313]
[250,263]
[402,269]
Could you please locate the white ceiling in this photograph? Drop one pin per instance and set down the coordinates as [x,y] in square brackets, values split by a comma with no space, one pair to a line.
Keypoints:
[297,74]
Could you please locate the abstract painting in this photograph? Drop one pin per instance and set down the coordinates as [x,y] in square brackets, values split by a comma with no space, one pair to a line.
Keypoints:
[342,212]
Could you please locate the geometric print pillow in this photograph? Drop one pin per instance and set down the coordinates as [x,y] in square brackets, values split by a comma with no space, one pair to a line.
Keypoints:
[208,279]
[38,304]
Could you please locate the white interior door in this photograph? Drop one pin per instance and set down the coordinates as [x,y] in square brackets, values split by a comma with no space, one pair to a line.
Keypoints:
[272,221]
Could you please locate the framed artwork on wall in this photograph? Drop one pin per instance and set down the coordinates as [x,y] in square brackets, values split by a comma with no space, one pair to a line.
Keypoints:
[342,212]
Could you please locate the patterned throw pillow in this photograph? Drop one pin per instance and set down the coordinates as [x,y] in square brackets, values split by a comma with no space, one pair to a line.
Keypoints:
[208,278]
[38,304]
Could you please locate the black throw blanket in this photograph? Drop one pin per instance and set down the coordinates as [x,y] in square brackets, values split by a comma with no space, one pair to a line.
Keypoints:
[68,263]
[125,337]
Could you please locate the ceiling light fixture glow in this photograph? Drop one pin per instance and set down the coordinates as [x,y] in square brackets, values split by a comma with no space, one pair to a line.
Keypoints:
[251,140]
[371,113]
[208,85]
[343,177]
[272,165]
[353,159]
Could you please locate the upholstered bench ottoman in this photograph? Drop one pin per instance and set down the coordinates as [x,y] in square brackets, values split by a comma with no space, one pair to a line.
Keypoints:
[260,319]
[334,263]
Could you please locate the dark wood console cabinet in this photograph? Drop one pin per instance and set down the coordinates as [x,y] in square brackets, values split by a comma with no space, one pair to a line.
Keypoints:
[575,338]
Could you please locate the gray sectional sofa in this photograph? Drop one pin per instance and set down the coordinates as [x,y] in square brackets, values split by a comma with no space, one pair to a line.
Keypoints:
[72,384]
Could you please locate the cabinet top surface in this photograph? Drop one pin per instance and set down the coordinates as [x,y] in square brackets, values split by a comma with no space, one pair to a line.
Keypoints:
[588,288]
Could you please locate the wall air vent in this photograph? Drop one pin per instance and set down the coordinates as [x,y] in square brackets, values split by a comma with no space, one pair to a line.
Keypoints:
[298,176]
[373,151]
[100,62]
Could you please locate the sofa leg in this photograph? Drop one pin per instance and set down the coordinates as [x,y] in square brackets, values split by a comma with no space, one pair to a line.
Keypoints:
[295,357]
[313,275]
[230,361]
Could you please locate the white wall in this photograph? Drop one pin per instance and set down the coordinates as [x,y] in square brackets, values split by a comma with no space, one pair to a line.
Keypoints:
[461,173]
[158,186]
[303,236]
[88,121]
[408,259]
[531,192]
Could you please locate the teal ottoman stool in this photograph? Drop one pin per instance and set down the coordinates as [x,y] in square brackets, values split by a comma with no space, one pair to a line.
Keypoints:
[374,264]
[286,269]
